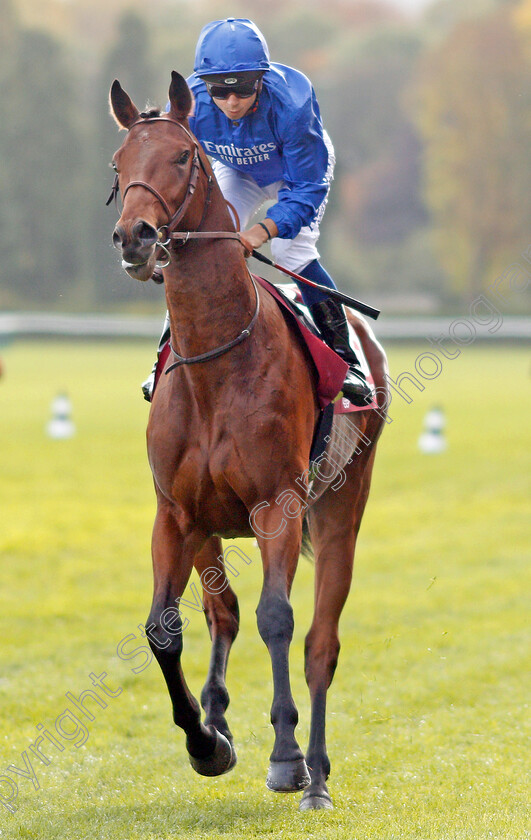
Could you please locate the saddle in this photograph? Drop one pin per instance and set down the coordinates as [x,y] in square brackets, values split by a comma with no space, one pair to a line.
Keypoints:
[330,369]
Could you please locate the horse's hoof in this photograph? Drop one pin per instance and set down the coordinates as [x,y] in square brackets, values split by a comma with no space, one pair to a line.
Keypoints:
[288,776]
[315,801]
[220,761]
[234,758]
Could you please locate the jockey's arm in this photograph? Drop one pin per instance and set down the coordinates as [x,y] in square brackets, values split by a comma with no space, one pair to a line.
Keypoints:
[257,235]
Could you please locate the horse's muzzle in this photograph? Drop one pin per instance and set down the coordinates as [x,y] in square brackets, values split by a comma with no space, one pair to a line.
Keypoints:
[138,249]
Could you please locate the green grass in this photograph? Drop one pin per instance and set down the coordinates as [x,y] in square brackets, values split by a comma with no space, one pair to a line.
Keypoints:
[428,715]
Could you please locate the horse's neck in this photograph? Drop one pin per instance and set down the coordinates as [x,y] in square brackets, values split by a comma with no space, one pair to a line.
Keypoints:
[208,290]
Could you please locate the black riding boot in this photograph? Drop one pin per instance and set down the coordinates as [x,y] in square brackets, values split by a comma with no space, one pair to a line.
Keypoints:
[148,385]
[330,320]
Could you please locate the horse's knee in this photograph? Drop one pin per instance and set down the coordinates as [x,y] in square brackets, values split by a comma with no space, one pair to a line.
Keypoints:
[222,614]
[321,652]
[274,616]
[164,630]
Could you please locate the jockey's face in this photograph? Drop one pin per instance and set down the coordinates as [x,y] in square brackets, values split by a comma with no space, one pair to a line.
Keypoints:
[235,107]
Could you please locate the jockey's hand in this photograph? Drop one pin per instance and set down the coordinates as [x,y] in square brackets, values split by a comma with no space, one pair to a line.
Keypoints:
[247,247]
[256,236]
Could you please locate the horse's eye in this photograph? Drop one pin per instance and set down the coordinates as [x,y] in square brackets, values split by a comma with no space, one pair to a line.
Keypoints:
[183,158]
[113,166]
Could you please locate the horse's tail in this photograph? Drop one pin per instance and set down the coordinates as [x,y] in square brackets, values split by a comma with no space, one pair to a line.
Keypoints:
[307,547]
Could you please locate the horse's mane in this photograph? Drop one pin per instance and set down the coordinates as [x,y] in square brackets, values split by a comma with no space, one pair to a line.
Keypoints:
[151,112]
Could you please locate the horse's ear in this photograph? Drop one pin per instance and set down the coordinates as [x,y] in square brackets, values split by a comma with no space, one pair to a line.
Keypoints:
[122,108]
[180,97]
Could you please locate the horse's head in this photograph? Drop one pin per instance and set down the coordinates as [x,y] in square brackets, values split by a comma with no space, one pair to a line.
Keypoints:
[157,167]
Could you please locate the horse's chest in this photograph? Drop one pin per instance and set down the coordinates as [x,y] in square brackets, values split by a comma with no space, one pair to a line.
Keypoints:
[196,478]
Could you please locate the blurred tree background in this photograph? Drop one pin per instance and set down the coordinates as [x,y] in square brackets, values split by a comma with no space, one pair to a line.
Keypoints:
[430,118]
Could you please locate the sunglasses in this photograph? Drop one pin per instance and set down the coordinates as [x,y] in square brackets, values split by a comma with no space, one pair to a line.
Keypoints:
[243,91]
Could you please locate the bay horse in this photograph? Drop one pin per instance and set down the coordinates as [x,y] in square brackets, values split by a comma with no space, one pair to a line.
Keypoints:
[229,431]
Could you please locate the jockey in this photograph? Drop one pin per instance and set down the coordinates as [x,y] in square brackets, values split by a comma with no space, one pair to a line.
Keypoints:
[261,126]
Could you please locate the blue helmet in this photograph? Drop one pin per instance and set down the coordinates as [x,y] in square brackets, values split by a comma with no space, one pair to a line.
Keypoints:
[234,45]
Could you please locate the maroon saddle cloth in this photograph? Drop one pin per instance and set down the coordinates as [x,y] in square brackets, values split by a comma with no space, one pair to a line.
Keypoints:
[330,368]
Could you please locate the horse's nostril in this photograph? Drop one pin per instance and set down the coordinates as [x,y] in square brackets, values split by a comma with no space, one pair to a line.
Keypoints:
[145,232]
[117,238]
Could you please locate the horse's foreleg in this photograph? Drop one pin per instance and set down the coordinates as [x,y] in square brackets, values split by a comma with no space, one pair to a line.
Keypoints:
[222,617]
[287,768]
[334,539]
[173,556]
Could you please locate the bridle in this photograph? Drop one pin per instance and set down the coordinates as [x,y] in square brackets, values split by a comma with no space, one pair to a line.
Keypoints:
[168,233]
